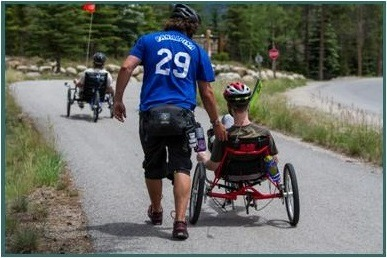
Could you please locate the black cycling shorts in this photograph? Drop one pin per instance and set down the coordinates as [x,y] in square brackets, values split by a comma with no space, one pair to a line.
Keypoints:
[164,155]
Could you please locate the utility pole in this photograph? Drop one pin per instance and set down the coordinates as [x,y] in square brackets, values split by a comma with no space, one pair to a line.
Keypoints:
[207,44]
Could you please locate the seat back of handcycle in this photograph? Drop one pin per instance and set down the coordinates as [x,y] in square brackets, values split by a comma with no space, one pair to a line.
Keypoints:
[95,81]
[243,159]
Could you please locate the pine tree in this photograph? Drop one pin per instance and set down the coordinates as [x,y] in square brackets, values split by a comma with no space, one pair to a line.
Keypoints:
[57,32]
[323,46]
[17,22]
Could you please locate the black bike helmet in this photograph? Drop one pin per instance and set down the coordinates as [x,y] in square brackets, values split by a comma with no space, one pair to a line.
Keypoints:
[237,94]
[99,58]
[186,12]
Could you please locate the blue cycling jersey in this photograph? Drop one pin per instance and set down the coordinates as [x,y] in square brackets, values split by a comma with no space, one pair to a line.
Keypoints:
[172,65]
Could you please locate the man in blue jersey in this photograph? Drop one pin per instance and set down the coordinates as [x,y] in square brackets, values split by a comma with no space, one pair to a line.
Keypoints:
[174,66]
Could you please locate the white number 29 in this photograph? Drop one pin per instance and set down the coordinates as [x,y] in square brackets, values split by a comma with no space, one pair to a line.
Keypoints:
[181,60]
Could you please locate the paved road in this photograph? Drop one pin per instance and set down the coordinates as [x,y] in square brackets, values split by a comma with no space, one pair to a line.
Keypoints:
[351,98]
[341,199]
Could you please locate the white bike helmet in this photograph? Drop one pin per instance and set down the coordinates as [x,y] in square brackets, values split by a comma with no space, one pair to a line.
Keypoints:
[237,94]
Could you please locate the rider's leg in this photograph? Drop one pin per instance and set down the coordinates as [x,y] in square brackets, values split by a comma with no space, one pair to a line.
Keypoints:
[181,191]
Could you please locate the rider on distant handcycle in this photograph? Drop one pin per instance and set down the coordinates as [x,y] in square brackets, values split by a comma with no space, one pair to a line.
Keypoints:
[98,66]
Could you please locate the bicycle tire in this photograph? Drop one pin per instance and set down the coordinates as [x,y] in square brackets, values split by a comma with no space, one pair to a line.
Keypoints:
[110,104]
[69,102]
[292,200]
[197,192]
[96,106]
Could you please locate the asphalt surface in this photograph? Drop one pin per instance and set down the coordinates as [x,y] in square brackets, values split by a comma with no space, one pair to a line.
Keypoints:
[341,199]
[356,99]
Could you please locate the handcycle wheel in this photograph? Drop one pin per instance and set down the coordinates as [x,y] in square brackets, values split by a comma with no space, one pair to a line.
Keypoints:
[110,105]
[197,192]
[292,200]
[69,101]
[96,106]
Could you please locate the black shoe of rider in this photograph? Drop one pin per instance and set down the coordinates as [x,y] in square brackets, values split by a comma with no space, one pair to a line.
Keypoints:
[81,105]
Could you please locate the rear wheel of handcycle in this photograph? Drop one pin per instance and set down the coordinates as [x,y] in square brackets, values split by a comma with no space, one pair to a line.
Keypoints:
[197,192]
[292,200]
[96,106]
[110,105]
[69,101]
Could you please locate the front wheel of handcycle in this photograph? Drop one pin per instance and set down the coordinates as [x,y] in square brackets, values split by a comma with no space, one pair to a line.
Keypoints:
[291,196]
[197,192]
[96,106]
[69,101]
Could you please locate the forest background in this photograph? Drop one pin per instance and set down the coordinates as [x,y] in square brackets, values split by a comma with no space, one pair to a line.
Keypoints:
[319,40]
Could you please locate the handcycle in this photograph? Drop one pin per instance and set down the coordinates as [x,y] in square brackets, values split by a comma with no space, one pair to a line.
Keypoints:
[94,93]
[241,173]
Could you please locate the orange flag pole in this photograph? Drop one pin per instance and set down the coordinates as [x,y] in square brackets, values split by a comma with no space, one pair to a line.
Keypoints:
[88,42]
[91,9]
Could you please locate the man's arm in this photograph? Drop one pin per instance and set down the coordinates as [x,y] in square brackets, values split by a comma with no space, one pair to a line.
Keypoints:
[209,103]
[130,63]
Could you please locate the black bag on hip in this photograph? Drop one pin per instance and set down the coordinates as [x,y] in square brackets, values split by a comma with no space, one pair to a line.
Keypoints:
[168,120]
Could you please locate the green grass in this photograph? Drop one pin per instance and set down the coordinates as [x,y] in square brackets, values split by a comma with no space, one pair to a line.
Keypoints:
[25,240]
[338,134]
[31,162]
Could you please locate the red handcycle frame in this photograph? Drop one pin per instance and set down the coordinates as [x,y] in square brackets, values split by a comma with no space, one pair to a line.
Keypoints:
[202,186]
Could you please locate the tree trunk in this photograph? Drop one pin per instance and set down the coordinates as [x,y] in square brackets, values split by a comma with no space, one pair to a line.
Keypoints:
[379,68]
[322,50]
[360,39]
[306,38]
[58,65]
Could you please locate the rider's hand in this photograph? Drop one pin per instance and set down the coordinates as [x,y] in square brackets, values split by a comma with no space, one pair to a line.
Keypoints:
[220,132]
[202,156]
[119,111]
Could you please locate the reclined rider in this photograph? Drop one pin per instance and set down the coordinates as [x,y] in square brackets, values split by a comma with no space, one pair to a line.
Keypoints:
[238,96]
[98,66]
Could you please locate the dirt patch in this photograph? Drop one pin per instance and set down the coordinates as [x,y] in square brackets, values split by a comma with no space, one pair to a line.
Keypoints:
[58,218]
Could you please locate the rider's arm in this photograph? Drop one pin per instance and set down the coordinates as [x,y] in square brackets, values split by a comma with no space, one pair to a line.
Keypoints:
[209,103]
[109,80]
[81,81]
[204,157]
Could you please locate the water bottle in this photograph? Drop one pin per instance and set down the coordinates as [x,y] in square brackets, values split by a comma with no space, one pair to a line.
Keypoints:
[192,142]
[201,140]
[272,169]
[227,121]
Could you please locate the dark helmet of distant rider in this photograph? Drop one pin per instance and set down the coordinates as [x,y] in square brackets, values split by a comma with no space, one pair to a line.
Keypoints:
[99,60]
[184,19]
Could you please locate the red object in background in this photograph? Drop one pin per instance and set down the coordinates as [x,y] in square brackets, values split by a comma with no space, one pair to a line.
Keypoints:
[89,8]
[273,53]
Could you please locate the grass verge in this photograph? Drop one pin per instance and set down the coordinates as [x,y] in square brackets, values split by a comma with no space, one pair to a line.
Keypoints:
[35,179]
[336,133]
